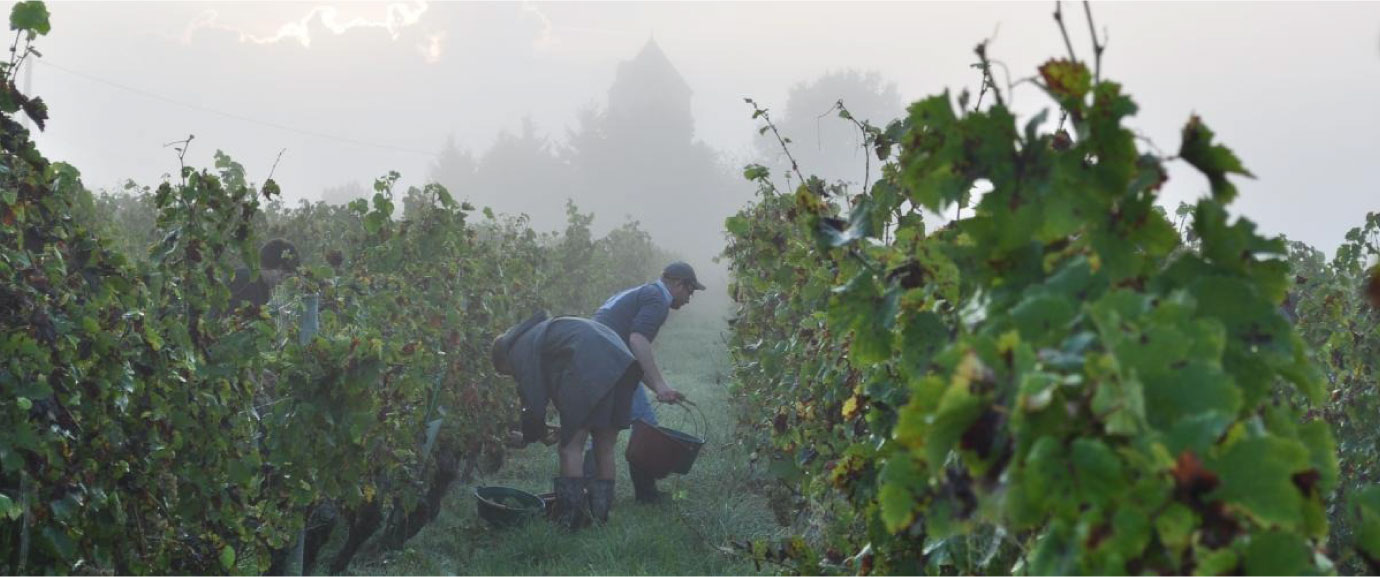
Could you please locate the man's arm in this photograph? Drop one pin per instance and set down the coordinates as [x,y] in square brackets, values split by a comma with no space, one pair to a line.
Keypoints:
[651,374]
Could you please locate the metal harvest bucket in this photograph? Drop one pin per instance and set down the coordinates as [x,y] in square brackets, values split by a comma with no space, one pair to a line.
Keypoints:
[661,451]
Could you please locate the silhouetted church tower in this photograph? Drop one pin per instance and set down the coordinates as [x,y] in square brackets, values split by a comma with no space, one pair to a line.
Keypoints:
[639,158]
[649,98]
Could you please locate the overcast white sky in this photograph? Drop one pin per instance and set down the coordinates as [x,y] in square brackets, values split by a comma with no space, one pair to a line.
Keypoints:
[356,89]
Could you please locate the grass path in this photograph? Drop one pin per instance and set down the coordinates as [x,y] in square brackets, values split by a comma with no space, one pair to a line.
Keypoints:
[709,507]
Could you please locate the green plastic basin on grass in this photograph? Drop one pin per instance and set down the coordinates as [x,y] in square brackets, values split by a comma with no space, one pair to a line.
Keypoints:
[507,507]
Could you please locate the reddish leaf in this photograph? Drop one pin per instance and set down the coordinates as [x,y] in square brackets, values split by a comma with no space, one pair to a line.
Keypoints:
[1190,478]
[1307,481]
[1373,286]
[1067,80]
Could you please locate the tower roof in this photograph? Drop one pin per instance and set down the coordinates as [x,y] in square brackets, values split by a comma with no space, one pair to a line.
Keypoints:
[652,65]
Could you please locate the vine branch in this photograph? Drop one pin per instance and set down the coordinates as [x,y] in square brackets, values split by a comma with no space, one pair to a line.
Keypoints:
[868,140]
[1010,86]
[766,117]
[1097,47]
[275,164]
[182,155]
[981,92]
[1151,143]
[1059,18]
[14,55]
[988,81]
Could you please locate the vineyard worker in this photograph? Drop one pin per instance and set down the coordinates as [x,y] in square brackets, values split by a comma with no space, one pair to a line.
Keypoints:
[278,258]
[637,314]
[589,374]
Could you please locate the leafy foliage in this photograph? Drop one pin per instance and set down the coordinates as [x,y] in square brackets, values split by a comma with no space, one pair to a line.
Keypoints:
[1342,328]
[150,425]
[1057,384]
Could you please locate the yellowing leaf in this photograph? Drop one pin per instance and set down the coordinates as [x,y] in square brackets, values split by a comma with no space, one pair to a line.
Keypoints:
[850,407]
[1067,80]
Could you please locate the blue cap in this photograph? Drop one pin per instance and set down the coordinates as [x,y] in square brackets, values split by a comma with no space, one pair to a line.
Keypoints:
[683,272]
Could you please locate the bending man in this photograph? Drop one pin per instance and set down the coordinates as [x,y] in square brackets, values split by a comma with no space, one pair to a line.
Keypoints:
[590,375]
[637,314]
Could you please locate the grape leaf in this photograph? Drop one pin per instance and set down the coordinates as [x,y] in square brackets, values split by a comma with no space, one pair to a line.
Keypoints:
[1213,160]
[1257,475]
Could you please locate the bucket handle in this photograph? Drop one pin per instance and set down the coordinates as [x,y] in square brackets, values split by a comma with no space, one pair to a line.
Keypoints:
[692,410]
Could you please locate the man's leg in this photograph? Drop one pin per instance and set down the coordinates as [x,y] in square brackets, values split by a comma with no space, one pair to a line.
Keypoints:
[590,466]
[641,409]
[644,484]
[601,488]
[571,508]
[571,459]
[604,442]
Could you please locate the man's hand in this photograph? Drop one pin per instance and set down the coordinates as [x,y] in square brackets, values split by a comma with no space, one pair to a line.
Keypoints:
[669,395]
[515,439]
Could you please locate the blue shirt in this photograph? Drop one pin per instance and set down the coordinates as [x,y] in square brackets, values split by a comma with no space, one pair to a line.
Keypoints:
[641,309]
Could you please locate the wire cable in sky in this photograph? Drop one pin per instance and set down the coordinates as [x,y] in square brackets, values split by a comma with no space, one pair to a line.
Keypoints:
[160,98]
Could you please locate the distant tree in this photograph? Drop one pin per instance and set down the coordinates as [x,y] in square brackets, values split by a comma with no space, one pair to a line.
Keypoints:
[822,143]
[523,174]
[126,216]
[587,141]
[344,193]
[454,168]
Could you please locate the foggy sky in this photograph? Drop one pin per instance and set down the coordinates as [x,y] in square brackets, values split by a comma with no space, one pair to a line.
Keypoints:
[352,91]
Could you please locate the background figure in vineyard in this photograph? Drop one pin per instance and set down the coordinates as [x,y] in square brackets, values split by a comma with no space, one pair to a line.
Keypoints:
[278,258]
[637,314]
[583,368]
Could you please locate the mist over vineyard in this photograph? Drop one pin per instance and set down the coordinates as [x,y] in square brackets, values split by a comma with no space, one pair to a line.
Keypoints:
[988,291]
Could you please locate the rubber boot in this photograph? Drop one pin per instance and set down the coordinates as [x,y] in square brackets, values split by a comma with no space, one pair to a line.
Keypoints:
[572,511]
[644,485]
[600,499]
